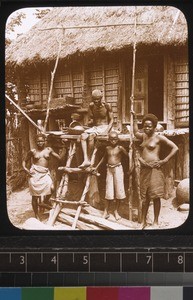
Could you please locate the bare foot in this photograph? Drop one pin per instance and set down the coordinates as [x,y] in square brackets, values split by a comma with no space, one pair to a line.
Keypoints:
[117,216]
[106,215]
[155,224]
[144,225]
[37,217]
[85,165]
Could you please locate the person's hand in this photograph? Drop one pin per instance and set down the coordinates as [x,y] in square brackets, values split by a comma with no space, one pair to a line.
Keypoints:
[144,163]
[132,112]
[29,173]
[157,164]
[93,171]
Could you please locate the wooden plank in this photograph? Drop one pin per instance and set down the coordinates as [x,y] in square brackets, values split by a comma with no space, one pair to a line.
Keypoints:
[85,191]
[91,211]
[64,218]
[63,187]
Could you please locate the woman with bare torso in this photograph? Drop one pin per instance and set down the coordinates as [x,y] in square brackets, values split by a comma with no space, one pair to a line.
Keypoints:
[151,177]
[40,181]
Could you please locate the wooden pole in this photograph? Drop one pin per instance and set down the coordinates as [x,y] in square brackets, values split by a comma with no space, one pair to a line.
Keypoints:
[85,191]
[92,26]
[51,85]
[137,183]
[131,123]
[63,187]
[23,113]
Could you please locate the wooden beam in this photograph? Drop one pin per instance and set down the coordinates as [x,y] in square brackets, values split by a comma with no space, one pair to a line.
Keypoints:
[23,113]
[93,26]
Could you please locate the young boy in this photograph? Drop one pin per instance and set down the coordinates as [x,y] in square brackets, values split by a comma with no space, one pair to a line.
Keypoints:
[115,176]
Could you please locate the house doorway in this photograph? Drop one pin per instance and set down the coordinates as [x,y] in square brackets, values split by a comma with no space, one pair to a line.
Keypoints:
[149,88]
[156,86]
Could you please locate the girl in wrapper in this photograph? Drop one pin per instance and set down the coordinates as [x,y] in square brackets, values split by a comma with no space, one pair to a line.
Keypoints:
[152,183]
[40,181]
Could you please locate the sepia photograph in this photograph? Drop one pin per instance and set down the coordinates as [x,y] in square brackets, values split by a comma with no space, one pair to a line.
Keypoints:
[97,118]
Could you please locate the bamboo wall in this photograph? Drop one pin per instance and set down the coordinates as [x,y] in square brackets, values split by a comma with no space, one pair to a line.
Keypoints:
[111,75]
[182,92]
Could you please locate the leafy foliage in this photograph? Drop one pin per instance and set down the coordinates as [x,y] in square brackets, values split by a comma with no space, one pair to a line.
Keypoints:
[40,13]
[12,24]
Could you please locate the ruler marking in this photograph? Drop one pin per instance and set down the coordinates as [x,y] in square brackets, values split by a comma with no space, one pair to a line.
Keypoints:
[25,262]
[121,261]
[46,279]
[152,266]
[41,257]
[57,257]
[89,262]
[105,257]
[181,258]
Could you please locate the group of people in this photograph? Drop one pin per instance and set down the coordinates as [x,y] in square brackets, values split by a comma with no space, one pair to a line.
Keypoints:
[101,119]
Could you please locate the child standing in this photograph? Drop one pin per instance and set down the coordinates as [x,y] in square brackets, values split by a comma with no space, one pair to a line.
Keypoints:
[115,177]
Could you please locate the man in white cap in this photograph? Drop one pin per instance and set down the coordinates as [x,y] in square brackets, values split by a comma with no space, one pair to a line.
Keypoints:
[101,116]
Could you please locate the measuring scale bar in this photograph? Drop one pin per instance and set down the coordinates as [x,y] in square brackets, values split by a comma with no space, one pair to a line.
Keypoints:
[26,262]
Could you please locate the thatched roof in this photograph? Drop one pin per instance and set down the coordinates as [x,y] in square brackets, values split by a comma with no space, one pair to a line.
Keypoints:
[157,25]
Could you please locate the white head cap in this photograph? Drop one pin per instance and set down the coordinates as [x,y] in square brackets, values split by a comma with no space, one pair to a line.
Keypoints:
[97,93]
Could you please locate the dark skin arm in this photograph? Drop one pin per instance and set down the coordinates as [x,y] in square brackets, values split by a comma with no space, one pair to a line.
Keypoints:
[124,151]
[110,117]
[90,115]
[24,163]
[56,155]
[164,140]
[136,132]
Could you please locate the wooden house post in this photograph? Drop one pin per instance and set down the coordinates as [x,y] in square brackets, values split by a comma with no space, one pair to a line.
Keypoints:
[170,91]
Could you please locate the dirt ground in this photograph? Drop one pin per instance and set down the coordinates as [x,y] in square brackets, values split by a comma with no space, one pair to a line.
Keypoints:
[20,209]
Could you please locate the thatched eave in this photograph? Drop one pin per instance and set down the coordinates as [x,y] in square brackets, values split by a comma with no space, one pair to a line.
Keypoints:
[164,26]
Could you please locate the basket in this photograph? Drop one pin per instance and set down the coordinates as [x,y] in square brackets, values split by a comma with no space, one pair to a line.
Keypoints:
[75,128]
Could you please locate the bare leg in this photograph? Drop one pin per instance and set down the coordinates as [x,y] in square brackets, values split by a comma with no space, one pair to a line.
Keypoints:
[86,162]
[157,206]
[35,206]
[106,211]
[117,216]
[145,207]
[47,200]
[91,141]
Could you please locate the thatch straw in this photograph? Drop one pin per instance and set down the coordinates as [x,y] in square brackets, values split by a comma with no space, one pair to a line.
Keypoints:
[166,27]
